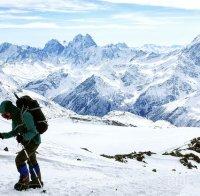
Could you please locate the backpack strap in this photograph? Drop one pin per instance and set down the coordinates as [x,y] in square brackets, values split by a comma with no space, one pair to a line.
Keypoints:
[42,121]
[38,108]
[18,126]
[22,111]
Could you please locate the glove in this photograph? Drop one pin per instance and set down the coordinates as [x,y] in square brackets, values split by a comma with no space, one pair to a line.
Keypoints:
[19,138]
[1,136]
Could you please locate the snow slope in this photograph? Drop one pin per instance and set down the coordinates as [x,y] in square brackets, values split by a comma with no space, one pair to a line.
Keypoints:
[69,170]
[130,119]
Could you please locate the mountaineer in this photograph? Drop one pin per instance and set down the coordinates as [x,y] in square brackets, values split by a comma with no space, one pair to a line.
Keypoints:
[26,133]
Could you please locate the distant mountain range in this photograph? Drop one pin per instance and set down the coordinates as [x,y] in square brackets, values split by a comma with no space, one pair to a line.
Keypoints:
[156,82]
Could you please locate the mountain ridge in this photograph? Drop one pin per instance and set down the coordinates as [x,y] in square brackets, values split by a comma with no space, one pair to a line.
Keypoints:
[112,77]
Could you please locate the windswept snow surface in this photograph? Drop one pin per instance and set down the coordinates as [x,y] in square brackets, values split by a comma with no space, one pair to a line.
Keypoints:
[64,174]
[130,119]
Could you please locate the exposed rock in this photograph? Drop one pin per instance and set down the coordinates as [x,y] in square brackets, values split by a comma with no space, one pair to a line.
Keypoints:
[6,149]
[140,156]
[187,157]
[154,170]
[86,149]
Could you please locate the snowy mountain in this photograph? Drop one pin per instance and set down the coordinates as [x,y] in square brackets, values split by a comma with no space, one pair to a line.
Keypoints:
[53,47]
[80,42]
[53,110]
[159,49]
[179,86]
[10,53]
[91,97]
[94,80]
[54,83]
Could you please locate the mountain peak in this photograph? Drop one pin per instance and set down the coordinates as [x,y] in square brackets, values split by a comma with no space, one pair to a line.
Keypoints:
[81,42]
[4,46]
[122,45]
[196,39]
[53,47]
[81,37]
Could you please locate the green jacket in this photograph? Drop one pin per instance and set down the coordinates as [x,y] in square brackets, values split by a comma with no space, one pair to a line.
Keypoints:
[22,123]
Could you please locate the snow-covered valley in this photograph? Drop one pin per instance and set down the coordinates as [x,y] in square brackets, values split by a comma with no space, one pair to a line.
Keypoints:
[68,169]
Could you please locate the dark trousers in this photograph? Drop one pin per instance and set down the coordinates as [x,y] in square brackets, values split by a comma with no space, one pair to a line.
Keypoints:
[21,157]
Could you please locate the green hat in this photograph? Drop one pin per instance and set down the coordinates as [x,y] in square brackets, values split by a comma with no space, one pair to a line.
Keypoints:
[6,106]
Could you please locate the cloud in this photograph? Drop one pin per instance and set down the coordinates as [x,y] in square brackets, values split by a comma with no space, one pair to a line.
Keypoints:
[142,19]
[105,26]
[18,14]
[35,25]
[50,5]
[43,25]
[136,19]
[13,11]
[183,4]
[19,17]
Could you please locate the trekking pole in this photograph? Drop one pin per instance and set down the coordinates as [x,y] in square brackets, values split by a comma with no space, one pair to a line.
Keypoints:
[44,191]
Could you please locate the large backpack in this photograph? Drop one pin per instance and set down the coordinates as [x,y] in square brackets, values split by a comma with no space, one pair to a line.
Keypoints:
[26,103]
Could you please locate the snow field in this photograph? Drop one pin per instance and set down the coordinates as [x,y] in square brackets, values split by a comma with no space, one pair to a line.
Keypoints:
[69,170]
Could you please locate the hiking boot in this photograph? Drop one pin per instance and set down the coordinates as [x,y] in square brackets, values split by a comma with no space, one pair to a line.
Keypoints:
[22,184]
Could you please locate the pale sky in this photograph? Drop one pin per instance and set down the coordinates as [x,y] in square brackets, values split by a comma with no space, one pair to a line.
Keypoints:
[135,22]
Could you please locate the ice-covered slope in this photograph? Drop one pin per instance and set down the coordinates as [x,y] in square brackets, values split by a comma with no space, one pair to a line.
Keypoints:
[55,83]
[69,170]
[182,112]
[92,97]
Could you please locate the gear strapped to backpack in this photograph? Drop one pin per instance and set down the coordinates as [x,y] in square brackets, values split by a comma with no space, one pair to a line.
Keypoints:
[26,103]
